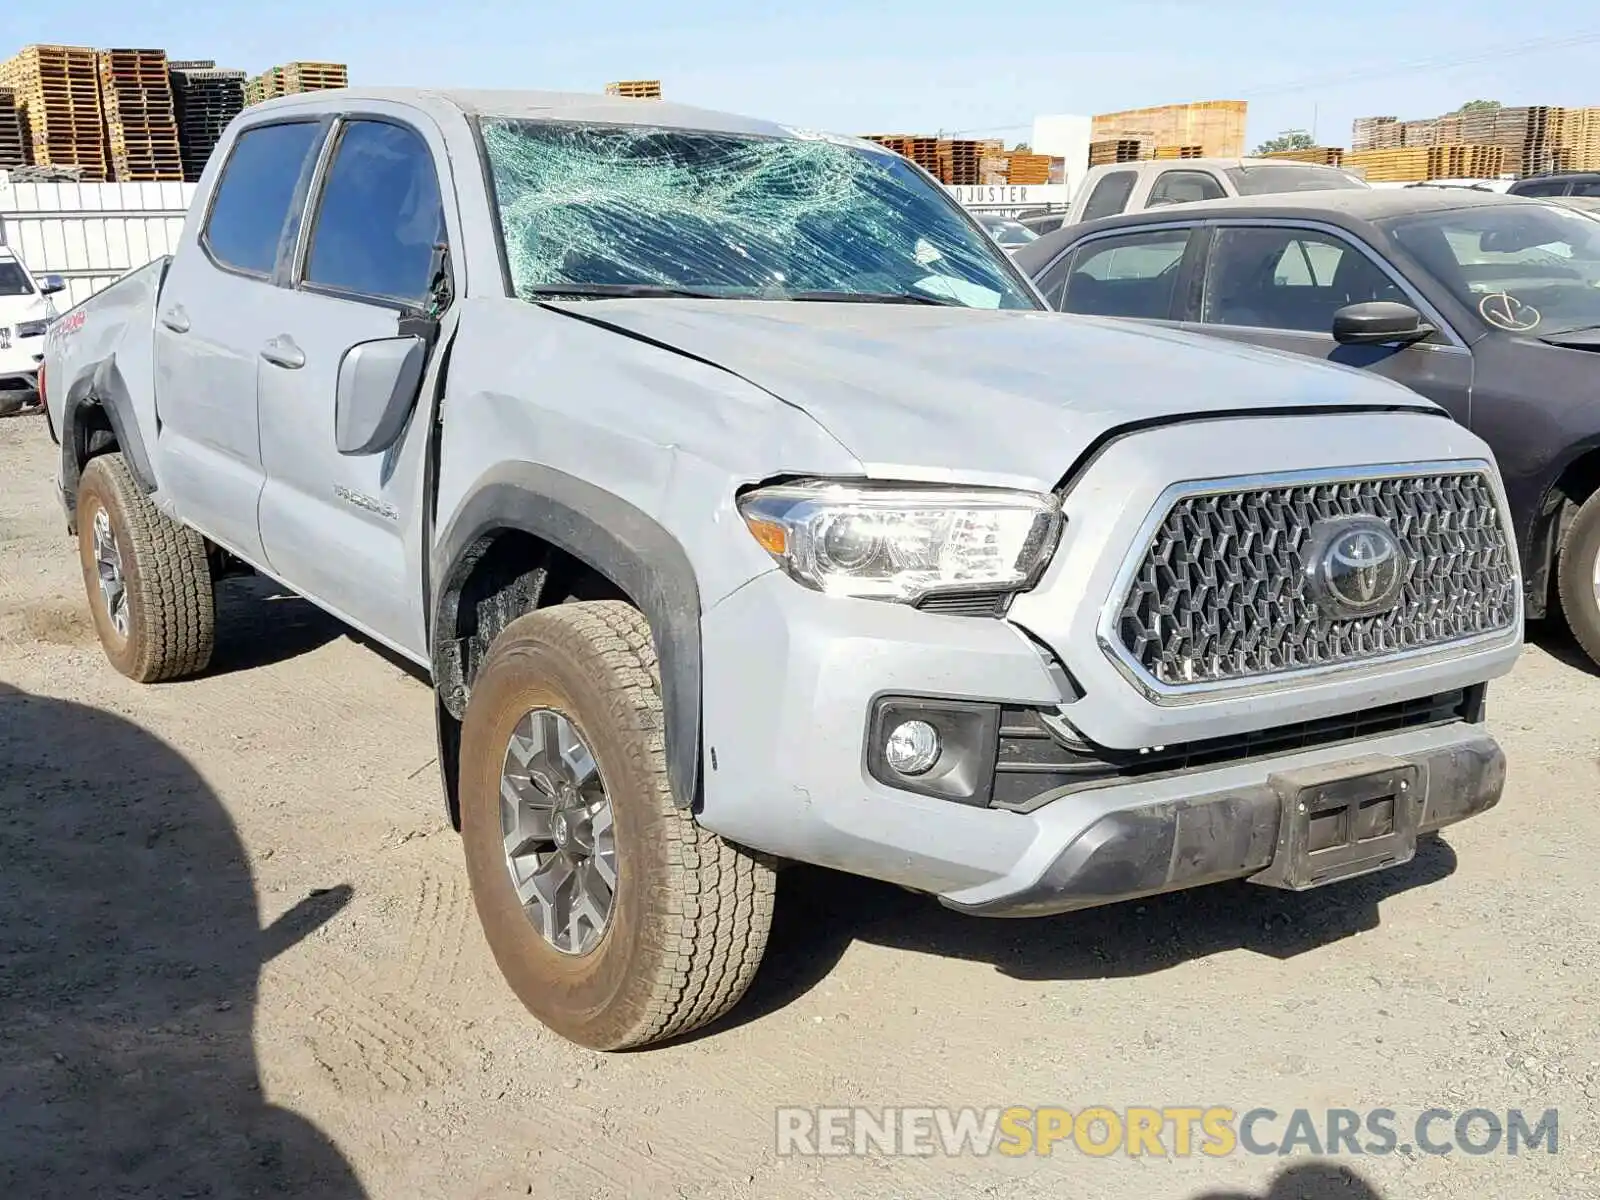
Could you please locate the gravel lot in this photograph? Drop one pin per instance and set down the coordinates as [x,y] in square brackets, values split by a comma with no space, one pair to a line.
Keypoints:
[238,958]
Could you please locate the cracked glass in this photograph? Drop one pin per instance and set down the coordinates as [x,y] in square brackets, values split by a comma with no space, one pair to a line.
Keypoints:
[597,210]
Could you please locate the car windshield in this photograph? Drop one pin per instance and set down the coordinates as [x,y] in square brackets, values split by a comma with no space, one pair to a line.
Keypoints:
[1006,231]
[1524,267]
[14,280]
[1265,180]
[606,209]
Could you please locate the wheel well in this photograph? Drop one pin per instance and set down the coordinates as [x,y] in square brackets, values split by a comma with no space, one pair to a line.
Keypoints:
[1577,482]
[91,436]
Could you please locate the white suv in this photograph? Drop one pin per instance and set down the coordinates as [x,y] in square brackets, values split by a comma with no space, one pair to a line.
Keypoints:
[25,314]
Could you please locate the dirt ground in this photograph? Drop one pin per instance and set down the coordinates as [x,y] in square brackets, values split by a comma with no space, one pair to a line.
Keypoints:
[238,958]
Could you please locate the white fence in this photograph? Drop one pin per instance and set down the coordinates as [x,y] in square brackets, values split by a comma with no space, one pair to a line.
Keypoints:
[90,233]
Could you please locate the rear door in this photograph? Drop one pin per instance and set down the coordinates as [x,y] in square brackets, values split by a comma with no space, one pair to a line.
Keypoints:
[1139,274]
[208,329]
[338,527]
[1278,284]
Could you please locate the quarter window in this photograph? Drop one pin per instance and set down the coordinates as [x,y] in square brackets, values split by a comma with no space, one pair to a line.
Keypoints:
[1277,278]
[254,196]
[1184,187]
[1131,275]
[379,216]
[1110,195]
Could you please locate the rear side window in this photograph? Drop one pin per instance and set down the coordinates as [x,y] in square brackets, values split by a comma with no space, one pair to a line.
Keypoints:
[1547,188]
[1184,187]
[1132,275]
[379,216]
[1586,187]
[254,196]
[1110,195]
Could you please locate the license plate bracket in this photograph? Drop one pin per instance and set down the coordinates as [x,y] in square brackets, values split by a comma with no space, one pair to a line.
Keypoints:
[1343,820]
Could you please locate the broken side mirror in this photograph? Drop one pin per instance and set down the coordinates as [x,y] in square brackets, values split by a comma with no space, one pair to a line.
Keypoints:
[377,388]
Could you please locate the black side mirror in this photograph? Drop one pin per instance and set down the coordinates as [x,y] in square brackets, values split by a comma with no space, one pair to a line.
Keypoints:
[1378,322]
[49,285]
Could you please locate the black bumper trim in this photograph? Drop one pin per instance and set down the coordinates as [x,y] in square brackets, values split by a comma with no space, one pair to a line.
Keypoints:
[1176,844]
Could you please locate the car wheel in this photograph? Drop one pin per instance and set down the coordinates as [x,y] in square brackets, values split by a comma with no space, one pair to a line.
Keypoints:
[1578,577]
[147,578]
[616,919]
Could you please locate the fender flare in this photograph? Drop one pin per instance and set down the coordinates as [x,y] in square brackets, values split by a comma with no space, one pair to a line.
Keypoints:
[106,387]
[612,537]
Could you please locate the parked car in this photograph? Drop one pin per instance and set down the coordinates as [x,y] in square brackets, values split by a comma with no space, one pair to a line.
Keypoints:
[1576,183]
[1008,231]
[746,505]
[1043,223]
[1113,188]
[1588,205]
[25,312]
[1487,304]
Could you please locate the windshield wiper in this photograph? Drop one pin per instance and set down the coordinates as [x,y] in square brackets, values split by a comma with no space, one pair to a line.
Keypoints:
[1585,337]
[870,298]
[619,291]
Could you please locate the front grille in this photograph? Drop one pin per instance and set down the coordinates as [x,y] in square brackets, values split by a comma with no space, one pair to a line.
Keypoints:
[1035,766]
[1221,594]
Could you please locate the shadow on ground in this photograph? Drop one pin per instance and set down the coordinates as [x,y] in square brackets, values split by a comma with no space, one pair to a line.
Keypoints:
[130,946]
[1313,1181]
[1553,637]
[819,913]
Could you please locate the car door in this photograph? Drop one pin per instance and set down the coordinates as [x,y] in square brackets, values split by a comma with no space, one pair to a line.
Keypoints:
[1132,273]
[1278,284]
[208,447]
[342,528]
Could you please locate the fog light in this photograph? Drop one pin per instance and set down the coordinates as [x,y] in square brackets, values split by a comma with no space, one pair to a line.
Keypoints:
[912,747]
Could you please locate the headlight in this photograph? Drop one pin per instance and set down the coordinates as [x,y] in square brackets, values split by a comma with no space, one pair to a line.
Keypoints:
[902,542]
[32,328]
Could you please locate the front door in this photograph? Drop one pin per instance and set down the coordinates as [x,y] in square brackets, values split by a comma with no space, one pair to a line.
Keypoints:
[343,528]
[208,329]
[1279,286]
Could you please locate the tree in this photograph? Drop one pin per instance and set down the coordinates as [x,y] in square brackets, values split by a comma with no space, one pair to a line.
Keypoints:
[1022,148]
[1480,105]
[1289,139]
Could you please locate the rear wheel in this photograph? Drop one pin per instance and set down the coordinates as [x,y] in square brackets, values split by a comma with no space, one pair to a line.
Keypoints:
[1578,577]
[616,919]
[147,578]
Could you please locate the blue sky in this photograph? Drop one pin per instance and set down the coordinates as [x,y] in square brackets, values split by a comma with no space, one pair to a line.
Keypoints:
[902,65]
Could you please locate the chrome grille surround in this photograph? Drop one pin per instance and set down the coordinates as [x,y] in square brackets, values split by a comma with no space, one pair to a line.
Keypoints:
[1258,629]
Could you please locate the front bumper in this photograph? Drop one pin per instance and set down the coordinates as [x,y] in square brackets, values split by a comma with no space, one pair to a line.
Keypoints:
[19,373]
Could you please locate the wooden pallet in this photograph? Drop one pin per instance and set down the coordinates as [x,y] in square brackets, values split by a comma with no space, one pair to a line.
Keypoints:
[635,89]
[1322,156]
[57,94]
[1116,150]
[1028,168]
[1180,152]
[1408,164]
[13,145]
[205,99]
[293,78]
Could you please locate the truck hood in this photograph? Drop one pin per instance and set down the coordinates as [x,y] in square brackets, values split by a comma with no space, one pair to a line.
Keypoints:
[16,309]
[943,392]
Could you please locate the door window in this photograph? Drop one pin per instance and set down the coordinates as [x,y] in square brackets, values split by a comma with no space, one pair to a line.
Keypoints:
[1282,278]
[1556,187]
[1130,275]
[1184,187]
[253,198]
[1110,195]
[379,216]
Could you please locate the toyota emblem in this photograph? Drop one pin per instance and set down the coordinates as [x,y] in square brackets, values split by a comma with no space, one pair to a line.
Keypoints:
[1355,567]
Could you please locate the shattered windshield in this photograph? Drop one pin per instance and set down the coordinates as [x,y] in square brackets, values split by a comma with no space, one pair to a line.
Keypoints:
[627,210]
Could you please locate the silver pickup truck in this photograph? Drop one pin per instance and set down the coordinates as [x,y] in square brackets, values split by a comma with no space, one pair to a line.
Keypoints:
[746,506]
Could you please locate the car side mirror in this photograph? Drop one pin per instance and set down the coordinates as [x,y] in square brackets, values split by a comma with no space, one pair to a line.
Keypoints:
[377,387]
[1377,322]
[49,285]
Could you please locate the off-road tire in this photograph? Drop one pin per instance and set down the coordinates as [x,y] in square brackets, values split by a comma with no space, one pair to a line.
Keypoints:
[691,912]
[1575,577]
[171,604]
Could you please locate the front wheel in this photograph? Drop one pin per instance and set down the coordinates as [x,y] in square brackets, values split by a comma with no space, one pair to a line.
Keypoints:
[1578,577]
[616,919]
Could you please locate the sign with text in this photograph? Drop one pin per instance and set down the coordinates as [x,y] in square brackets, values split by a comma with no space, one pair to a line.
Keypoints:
[1010,195]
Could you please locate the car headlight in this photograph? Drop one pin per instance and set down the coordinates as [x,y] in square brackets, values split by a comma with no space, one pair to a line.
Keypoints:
[32,328]
[903,542]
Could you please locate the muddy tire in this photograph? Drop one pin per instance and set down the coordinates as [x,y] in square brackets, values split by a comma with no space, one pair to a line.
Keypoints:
[146,577]
[1578,577]
[686,914]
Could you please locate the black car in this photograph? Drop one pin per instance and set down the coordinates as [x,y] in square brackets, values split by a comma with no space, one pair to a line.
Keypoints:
[1487,304]
[1577,183]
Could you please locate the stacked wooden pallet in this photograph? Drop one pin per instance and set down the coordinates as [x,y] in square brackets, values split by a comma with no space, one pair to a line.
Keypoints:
[1216,125]
[293,78]
[57,90]
[1180,152]
[1375,133]
[635,89]
[1323,156]
[1029,168]
[925,153]
[1583,137]
[1465,162]
[1419,133]
[964,162]
[900,143]
[1116,150]
[141,128]
[1405,164]
[13,145]
[205,98]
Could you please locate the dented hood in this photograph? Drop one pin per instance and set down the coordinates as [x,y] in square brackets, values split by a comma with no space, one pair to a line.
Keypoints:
[1008,394]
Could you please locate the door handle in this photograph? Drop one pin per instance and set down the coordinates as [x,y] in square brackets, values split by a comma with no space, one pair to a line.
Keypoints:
[282,352]
[176,319]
